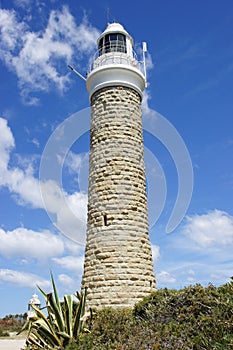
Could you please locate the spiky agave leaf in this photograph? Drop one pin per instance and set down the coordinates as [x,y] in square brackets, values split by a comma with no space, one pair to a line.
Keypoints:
[68,313]
[40,334]
[54,306]
[46,326]
[55,312]
[64,322]
[44,330]
[48,307]
[78,322]
[25,326]
[37,339]
[56,295]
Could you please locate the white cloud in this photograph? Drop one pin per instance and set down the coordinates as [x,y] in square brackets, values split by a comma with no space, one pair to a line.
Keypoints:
[21,243]
[149,62]
[145,106]
[35,57]
[24,186]
[65,280]
[6,144]
[19,181]
[155,252]
[67,211]
[68,284]
[22,279]
[164,278]
[74,161]
[191,272]
[10,32]
[147,112]
[78,166]
[35,142]
[202,249]
[72,247]
[74,263]
[214,229]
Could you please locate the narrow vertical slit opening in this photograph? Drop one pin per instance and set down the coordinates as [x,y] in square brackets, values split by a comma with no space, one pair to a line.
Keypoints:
[105,220]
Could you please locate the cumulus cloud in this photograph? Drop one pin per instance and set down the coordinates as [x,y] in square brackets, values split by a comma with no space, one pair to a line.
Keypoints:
[203,249]
[21,243]
[155,252]
[7,143]
[66,280]
[165,277]
[22,279]
[19,181]
[213,229]
[74,263]
[73,248]
[67,211]
[74,162]
[78,166]
[36,57]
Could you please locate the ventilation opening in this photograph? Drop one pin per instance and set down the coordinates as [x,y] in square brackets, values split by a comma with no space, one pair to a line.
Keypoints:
[105,221]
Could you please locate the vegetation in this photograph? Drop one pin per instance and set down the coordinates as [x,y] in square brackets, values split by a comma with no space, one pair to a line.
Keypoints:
[11,323]
[63,324]
[193,318]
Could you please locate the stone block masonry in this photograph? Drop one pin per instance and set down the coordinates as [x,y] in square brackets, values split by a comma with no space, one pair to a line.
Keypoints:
[118,269]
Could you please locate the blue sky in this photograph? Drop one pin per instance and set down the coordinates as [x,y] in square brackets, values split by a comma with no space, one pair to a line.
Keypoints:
[190,69]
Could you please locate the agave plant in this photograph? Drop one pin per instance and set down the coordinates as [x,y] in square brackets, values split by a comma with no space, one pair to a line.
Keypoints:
[63,324]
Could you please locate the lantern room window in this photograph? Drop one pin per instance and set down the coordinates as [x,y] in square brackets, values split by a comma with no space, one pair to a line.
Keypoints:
[114,42]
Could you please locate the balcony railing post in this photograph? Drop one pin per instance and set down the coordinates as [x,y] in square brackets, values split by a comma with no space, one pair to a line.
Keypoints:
[113,57]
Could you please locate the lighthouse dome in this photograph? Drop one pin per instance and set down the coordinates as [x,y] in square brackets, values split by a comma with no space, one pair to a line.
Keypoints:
[34,300]
[115,27]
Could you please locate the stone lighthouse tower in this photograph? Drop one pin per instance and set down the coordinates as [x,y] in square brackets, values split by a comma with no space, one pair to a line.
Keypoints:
[118,268]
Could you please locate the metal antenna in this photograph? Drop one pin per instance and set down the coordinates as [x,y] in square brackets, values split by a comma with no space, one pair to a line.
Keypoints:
[144,50]
[110,17]
[76,72]
[108,14]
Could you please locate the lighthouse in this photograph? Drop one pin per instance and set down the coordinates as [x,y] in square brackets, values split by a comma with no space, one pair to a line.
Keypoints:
[33,301]
[118,266]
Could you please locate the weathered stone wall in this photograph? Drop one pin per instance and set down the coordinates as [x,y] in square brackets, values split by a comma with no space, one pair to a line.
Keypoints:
[118,267]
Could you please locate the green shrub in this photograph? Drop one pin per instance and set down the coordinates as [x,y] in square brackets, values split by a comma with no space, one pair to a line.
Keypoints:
[193,318]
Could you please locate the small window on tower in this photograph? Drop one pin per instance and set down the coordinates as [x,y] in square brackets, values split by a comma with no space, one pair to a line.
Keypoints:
[105,221]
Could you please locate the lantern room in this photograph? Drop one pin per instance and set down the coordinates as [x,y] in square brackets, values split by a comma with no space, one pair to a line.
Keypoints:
[115,39]
[115,63]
